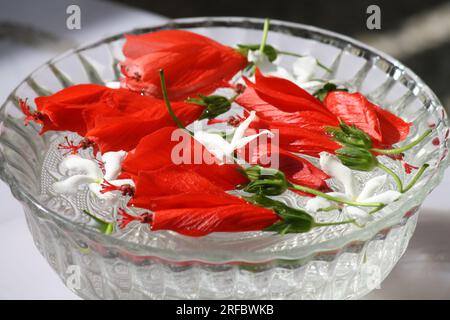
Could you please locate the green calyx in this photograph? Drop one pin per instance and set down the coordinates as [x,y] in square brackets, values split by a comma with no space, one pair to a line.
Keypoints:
[327,87]
[215,105]
[357,158]
[268,50]
[292,220]
[350,136]
[265,181]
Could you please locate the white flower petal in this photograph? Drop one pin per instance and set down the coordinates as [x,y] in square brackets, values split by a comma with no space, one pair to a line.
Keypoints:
[261,61]
[71,184]
[113,84]
[361,216]
[281,72]
[241,143]
[121,182]
[317,203]
[110,197]
[304,68]
[214,143]
[371,187]
[240,130]
[334,168]
[113,163]
[81,165]
[385,197]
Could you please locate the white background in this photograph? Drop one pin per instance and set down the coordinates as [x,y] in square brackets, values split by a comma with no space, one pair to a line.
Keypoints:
[423,273]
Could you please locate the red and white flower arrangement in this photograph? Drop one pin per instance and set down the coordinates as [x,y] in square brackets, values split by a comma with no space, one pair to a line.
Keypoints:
[169,88]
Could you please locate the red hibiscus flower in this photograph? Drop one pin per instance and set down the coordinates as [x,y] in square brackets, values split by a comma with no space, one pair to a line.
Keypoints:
[112,133]
[186,202]
[382,126]
[64,110]
[193,64]
[297,170]
[113,119]
[302,120]
[167,147]
[196,222]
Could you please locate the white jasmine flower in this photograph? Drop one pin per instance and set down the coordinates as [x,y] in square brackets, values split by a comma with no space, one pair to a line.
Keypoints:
[88,172]
[220,147]
[334,168]
[302,73]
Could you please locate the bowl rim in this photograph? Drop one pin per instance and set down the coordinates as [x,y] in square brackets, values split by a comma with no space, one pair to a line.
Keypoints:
[412,82]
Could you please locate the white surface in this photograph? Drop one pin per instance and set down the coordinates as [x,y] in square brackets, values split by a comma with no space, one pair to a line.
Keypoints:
[424,271]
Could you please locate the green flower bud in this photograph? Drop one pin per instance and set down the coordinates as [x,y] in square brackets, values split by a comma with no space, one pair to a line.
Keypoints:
[357,158]
[327,87]
[215,105]
[265,181]
[292,220]
[350,136]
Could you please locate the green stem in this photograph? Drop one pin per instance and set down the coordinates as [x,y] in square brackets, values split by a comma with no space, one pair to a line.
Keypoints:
[234,97]
[327,224]
[265,34]
[328,209]
[167,101]
[335,199]
[416,177]
[393,175]
[405,148]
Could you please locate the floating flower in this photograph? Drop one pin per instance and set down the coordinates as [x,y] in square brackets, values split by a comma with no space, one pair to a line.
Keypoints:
[176,147]
[220,147]
[302,119]
[88,172]
[369,193]
[194,64]
[382,126]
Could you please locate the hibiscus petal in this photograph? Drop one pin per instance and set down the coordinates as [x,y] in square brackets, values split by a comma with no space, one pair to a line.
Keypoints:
[193,64]
[124,133]
[354,108]
[202,221]
[175,187]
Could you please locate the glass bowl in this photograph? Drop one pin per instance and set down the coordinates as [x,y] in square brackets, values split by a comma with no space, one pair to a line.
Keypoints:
[338,262]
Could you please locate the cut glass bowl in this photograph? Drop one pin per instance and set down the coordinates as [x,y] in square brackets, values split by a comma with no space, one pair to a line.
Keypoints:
[337,262]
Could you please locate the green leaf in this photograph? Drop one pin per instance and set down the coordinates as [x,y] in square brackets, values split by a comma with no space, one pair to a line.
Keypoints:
[327,87]
[215,105]
[269,50]
[293,220]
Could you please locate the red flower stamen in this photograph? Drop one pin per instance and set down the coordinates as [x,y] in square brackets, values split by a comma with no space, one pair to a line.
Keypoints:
[409,167]
[125,189]
[231,121]
[239,88]
[101,165]
[34,116]
[72,148]
[125,218]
